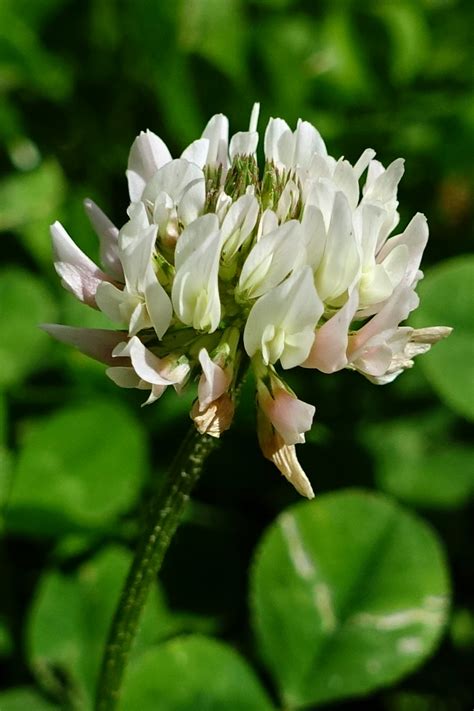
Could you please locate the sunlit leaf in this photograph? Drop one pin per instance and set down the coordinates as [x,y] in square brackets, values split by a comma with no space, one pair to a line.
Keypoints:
[24,60]
[406,24]
[25,303]
[446,300]
[81,467]
[418,460]
[195,673]
[345,67]
[27,197]
[21,698]
[70,618]
[349,593]
[215,30]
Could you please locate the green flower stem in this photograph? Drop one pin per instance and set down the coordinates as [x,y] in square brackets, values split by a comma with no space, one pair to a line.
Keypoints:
[166,510]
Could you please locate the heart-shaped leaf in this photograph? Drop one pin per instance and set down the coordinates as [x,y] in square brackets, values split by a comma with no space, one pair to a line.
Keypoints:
[195,673]
[349,593]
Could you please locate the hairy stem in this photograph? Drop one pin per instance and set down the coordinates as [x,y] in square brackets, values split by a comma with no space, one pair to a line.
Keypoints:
[166,510]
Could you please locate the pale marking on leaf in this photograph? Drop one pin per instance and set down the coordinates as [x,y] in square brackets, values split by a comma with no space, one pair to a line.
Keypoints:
[323,603]
[410,645]
[301,560]
[399,619]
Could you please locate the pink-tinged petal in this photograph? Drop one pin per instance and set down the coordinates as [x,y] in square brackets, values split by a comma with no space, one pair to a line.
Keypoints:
[146,364]
[147,154]
[108,236]
[396,310]
[94,342]
[78,273]
[214,380]
[216,418]
[289,416]
[375,359]
[282,455]
[328,353]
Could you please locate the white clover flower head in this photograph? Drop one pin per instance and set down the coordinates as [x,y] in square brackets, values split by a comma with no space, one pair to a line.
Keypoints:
[222,263]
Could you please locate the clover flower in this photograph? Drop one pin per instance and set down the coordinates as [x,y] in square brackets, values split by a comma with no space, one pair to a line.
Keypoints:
[221,263]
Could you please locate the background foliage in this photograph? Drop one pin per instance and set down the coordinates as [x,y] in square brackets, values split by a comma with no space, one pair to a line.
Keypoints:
[330,579]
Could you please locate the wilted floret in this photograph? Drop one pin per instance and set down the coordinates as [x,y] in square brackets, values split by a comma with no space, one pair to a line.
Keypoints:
[221,263]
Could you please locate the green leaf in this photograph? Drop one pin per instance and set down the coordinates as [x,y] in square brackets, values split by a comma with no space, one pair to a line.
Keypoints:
[349,593]
[25,304]
[418,461]
[193,674]
[32,196]
[79,468]
[446,300]
[347,70]
[6,643]
[6,468]
[6,465]
[23,698]
[215,30]
[406,24]
[69,621]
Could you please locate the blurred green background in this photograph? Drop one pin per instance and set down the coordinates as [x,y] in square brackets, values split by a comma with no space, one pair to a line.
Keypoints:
[78,81]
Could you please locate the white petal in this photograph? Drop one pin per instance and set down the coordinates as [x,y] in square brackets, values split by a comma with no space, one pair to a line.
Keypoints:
[243,143]
[254,117]
[238,224]
[195,292]
[272,258]
[276,128]
[363,162]
[158,304]
[197,152]
[346,180]
[341,259]
[146,364]
[136,255]
[116,304]
[108,236]
[292,310]
[384,188]
[185,184]
[217,132]
[307,142]
[314,235]
[78,273]
[415,238]
[147,154]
